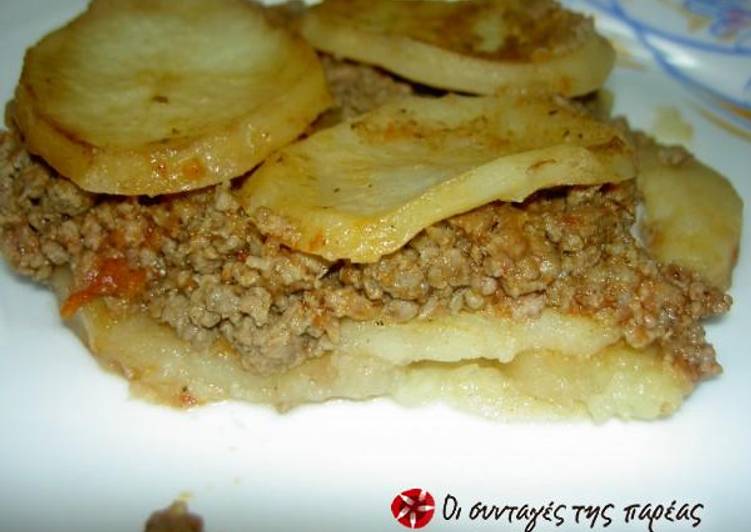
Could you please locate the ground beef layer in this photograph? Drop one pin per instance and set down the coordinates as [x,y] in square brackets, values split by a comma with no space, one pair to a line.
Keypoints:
[196,262]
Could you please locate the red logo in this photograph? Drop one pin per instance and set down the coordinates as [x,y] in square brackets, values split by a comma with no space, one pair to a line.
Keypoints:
[413,508]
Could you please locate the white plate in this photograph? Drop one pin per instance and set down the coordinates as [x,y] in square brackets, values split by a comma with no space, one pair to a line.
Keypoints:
[77,453]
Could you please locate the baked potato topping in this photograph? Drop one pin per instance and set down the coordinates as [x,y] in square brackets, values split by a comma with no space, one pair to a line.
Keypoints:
[152,97]
[476,47]
[363,188]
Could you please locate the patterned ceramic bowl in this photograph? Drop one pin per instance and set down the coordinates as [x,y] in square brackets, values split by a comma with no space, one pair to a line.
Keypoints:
[703,44]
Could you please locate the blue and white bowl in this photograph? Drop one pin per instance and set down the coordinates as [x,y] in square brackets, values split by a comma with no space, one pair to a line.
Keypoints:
[703,44]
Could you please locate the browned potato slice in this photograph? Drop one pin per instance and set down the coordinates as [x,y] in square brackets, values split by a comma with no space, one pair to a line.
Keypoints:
[470,46]
[158,96]
[692,214]
[363,188]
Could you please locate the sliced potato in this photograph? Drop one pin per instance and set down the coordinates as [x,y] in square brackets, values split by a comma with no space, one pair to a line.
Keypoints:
[158,96]
[616,381]
[470,46]
[468,336]
[692,214]
[363,188]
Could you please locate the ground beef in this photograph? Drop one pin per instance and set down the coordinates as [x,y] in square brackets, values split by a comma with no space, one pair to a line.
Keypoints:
[212,276]
[571,249]
[359,88]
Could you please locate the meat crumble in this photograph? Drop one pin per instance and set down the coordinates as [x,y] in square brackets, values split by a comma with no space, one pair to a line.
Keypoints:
[356,89]
[196,262]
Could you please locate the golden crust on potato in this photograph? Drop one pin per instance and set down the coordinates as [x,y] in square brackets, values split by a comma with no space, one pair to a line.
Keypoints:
[151,97]
[363,188]
[476,47]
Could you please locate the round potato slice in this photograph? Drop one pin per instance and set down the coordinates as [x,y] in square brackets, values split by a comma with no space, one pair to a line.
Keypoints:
[157,96]
[692,215]
[363,188]
[475,47]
